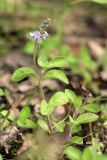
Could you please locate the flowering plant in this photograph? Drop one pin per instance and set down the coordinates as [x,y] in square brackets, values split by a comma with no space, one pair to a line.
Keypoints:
[79,110]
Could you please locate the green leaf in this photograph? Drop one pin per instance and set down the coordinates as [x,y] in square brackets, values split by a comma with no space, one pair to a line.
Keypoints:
[78,102]
[77,140]
[22,73]
[30,124]
[43,125]
[25,113]
[27,124]
[71,119]
[9,117]
[57,99]
[56,74]
[57,62]
[89,154]
[86,118]
[59,126]
[43,108]
[2,93]
[91,107]
[71,95]
[76,128]
[73,153]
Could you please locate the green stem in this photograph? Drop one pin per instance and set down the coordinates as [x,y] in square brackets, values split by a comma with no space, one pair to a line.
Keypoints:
[42,96]
[35,55]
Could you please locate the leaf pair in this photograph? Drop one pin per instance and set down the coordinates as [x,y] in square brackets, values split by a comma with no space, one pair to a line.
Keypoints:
[24,72]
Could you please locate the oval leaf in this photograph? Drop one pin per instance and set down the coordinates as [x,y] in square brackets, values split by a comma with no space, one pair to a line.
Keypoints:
[57,99]
[60,126]
[22,73]
[56,74]
[71,95]
[57,62]
[27,124]
[92,108]
[86,118]
[43,108]
[76,128]
[77,140]
[24,114]
[72,153]
[89,154]
[78,102]
[43,125]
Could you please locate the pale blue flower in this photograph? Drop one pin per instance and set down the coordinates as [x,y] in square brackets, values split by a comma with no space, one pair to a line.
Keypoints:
[36,36]
[45,35]
[40,35]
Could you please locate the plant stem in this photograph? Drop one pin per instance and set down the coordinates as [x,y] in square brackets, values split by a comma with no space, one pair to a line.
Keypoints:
[91,130]
[36,49]
[42,96]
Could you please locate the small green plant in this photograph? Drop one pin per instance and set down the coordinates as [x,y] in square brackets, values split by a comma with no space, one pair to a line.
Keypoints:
[80,111]
[59,98]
